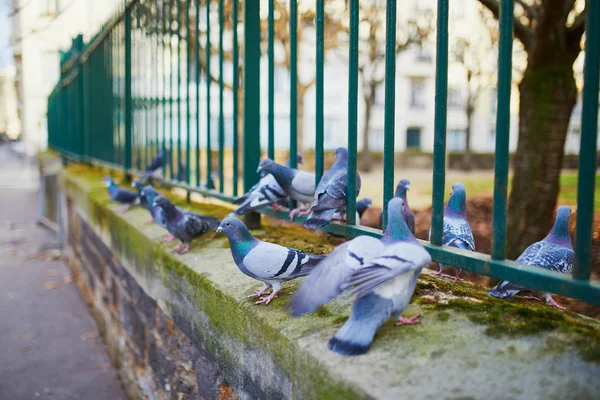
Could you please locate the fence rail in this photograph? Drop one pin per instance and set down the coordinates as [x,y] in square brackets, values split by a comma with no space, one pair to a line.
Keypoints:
[145,82]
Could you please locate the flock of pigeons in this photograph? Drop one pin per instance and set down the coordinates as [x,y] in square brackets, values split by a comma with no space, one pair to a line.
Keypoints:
[382,274]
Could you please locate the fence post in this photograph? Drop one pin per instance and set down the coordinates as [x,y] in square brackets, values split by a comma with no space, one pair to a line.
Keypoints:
[128,105]
[251,100]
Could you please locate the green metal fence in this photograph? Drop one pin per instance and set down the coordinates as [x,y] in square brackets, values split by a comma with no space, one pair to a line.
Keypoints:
[135,88]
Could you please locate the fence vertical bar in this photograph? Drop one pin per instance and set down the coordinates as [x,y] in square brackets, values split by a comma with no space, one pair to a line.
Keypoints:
[293,86]
[157,68]
[502,130]
[271,81]
[235,84]
[251,100]
[164,80]
[127,89]
[209,180]
[352,112]
[439,140]
[319,117]
[390,107]
[171,119]
[221,111]
[178,25]
[197,36]
[187,94]
[587,148]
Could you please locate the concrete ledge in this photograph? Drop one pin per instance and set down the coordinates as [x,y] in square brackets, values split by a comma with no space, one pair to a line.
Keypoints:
[467,346]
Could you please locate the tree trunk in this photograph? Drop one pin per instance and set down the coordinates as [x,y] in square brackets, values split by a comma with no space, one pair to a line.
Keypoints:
[547,96]
[467,154]
[366,156]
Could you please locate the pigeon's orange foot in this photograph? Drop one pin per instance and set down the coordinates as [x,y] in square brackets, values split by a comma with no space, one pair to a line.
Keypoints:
[184,249]
[277,207]
[550,301]
[266,300]
[177,248]
[258,292]
[298,212]
[408,321]
[531,297]
[167,239]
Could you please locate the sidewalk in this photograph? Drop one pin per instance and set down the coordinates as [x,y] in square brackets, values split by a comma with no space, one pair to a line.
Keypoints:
[49,345]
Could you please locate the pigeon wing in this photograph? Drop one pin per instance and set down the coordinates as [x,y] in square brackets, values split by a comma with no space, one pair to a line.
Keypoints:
[396,260]
[326,280]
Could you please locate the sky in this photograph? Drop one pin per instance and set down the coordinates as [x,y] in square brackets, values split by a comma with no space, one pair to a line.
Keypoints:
[5,50]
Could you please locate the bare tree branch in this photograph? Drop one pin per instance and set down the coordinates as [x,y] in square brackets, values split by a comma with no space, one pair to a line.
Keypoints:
[578,23]
[522,33]
[530,10]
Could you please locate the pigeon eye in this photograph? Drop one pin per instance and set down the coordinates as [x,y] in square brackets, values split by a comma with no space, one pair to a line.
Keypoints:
[227,223]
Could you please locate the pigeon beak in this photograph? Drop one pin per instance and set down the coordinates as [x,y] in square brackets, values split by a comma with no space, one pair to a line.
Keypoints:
[259,169]
[407,187]
[219,230]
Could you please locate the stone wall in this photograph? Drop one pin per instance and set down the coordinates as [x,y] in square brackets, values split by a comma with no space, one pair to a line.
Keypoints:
[180,327]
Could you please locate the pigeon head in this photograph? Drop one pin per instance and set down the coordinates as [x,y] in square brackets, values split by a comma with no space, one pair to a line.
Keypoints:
[341,153]
[108,181]
[457,203]
[560,231]
[396,229]
[149,193]
[166,205]
[402,188]
[265,165]
[137,184]
[299,158]
[362,205]
[235,230]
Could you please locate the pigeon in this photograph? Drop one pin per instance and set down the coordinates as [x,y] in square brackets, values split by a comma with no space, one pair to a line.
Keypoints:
[185,226]
[382,273]
[362,205]
[182,172]
[266,191]
[299,185]
[138,185]
[554,252]
[120,195]
[156,167]
[457,231]
[409,216]
[267,262]
[330,195]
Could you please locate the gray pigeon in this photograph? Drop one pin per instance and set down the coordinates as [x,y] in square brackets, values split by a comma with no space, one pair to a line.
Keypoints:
[267,191]
[554,252]
[266,262]
[383,274]
[299,185]
[156,167]
[401,191]
[457,231]
[330,195]
[185,226]
[120,195]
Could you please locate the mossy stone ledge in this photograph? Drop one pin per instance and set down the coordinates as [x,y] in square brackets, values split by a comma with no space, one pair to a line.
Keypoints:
[467,345]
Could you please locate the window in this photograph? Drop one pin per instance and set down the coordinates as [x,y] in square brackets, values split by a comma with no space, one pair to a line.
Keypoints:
[413,138]
[417,93]
[455,98]
[456,140]
[423,54]
[492,138]
[281,82]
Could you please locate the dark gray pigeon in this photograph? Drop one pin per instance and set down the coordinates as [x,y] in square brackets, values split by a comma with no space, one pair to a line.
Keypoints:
[185,226]
[267,262]
[298,185]
[120,195]
[330,195]
[266,192]
[382,273]
[156,167]
[554,252]
[457,231]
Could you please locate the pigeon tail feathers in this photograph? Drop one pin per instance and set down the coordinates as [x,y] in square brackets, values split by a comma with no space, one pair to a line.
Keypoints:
[356,335]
